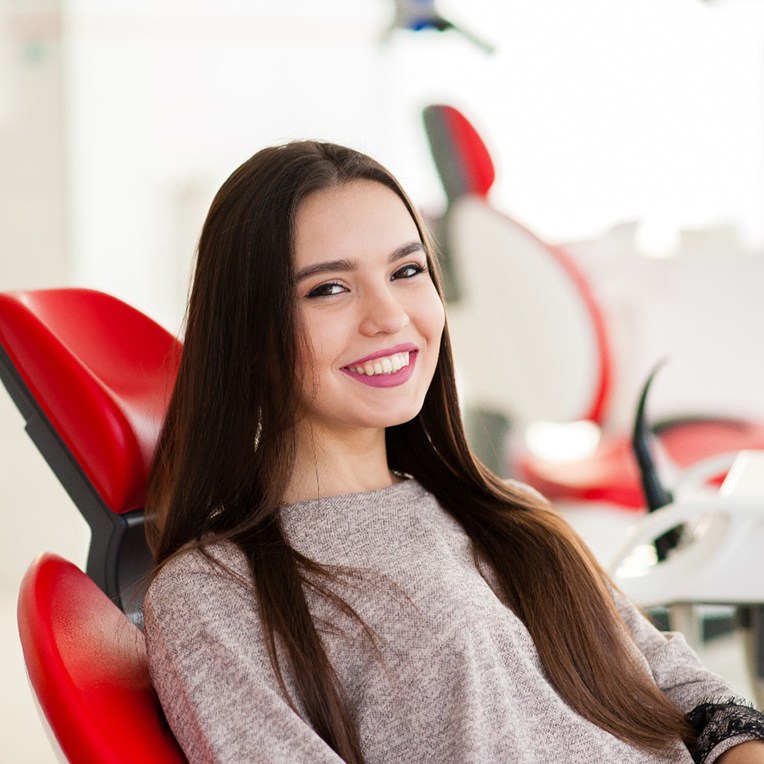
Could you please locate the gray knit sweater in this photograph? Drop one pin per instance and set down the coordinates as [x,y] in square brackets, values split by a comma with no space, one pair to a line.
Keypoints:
[454,677]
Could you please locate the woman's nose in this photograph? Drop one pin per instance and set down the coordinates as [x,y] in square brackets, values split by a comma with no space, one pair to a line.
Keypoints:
[382,313]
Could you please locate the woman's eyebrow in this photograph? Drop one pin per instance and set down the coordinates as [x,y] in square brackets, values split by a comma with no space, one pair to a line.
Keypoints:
[333,266]
[406,250]
[329,266]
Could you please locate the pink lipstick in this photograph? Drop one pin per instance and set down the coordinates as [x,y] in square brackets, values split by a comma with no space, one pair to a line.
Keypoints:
[385,368]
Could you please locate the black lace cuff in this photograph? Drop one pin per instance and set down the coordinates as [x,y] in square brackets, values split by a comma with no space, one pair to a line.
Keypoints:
[716,722]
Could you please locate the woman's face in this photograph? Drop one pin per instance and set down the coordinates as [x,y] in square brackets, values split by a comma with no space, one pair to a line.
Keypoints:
[367,309]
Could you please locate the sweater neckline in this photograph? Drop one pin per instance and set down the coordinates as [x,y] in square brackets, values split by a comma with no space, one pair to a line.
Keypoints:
[408,486]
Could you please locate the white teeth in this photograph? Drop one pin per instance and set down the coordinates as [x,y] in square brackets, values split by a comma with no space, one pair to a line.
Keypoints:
[388,365]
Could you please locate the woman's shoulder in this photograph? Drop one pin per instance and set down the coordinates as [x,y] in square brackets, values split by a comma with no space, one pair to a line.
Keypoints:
[221,565]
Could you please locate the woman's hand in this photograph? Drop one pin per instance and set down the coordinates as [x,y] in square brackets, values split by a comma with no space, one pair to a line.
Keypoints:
[751,752]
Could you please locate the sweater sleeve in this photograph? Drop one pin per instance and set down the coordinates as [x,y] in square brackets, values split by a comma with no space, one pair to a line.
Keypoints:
[722,719]
[213,675]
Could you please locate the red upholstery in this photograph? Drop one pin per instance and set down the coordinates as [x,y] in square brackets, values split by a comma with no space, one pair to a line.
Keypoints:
[611,473]
[87,664]
[690,441]
[75,369]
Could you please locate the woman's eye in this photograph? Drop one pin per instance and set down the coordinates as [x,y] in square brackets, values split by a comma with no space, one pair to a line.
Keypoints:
[326,290]
[409,271]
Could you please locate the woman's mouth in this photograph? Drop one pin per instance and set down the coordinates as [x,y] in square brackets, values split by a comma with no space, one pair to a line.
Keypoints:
[384,370]
[387,365]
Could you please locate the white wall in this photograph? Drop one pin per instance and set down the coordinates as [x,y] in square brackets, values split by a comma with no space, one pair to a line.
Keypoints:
[163,106]
[37,514]
[595,113]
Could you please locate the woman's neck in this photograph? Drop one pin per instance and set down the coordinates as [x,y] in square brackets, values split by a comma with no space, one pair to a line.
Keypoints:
[332,466]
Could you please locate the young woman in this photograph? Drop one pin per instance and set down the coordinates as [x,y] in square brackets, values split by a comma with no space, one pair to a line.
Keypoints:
[338,578]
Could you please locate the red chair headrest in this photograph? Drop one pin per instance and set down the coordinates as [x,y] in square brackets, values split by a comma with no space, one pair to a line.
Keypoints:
[102,372]
[462,159]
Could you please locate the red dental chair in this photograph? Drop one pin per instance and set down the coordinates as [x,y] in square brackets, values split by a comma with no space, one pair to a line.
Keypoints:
[92,378]
[549,358]
[87,664]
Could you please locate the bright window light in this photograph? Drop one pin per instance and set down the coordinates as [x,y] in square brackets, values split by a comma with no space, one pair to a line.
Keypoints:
[562,441]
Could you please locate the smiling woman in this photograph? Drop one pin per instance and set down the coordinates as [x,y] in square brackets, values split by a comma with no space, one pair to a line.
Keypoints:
[338,578]
[371,322]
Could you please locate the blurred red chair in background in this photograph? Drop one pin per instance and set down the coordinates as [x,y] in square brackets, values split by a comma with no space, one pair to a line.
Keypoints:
[548,357]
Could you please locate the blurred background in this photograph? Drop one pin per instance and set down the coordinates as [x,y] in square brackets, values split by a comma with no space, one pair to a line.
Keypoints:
[631,132]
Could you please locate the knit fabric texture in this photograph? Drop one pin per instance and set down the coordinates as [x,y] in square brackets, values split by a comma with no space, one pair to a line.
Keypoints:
[452,676]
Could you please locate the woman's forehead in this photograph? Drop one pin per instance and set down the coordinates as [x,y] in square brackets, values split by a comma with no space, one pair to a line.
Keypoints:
[358,218]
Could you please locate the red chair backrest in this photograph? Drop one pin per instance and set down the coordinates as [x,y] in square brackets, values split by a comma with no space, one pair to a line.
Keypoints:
[102,372]
[87,664]
[548,355]
[93,376]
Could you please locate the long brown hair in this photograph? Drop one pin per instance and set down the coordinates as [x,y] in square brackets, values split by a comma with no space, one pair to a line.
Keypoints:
[227,449]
